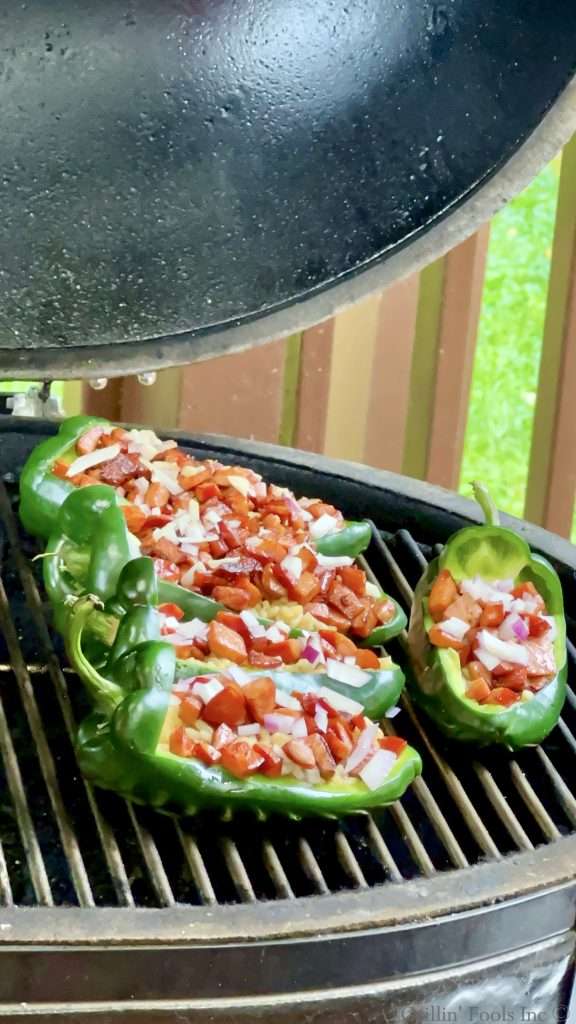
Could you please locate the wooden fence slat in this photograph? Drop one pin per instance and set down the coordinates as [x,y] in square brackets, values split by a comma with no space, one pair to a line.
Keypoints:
[314,386]
[157,405]
[350,380]
[390,385]
[107,403]
[240,395]
[290,390]
[463,287]
[442,362]
[552,472]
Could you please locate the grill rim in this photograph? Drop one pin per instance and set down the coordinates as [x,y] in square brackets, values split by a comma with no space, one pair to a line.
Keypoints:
[480,888]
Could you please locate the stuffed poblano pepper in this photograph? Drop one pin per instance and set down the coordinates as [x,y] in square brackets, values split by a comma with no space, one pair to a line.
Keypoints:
[488,638]
[182,737]
[216,531]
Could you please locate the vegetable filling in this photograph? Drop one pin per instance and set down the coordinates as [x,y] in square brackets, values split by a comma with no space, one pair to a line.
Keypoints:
[248,726]
[501,632]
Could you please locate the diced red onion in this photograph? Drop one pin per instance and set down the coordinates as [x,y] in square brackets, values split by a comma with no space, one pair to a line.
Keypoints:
[512,652]
[520,629]
[313,652]
[300,728]
[277,722]
[378,767]
[255,628]
[506,629]
[321,718]
[362,748]
[351,675]
[91,459]
[252,729]
[339,702]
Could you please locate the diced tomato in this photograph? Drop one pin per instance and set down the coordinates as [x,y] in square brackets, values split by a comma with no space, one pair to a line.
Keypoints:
[345,600]
[476,670]
[365,621]
[174,455]
[234,622]
[528,590]
[271,522]
[135,518]
[170,552]
[502,695]
[190,709]
[280,508]
[345,647]
[306,588]
[537,625]
[272,760]
[385,610]
[254,595]
[478,690]
[339,741]
[308,558]
[492,615]
[228,707]
[323,613]
[206,753]
[322,755]
[157,496]
[223,736]
[233,536]
[320,508]
[541,661]
[465,608]
[367,659]
[180,743]
[206,491]
[354,578]
[288,650]
[155,521]
[441,639]
[259,660]
[240,759]
[218,548]
[326,577]
[311,725]
[444,591]
[86,479]
[232,597]
[393,743]
[60,468]
[190,481]
[271,585]
[536,683]
[185,651]
[166,570]
[260,696]
[502,669]
[226,643]
[516,679]
[358,721]
[270,550]
[88,442]
[171,609]
[300,753]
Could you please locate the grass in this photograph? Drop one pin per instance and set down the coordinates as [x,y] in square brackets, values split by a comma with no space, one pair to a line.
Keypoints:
[505,376]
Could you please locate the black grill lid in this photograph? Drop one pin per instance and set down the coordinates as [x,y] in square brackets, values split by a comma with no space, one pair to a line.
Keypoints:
[189,177]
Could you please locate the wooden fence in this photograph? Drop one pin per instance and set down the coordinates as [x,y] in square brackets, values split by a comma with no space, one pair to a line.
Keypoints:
[388,381]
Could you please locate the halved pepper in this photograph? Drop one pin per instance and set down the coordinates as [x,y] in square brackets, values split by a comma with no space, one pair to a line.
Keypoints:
[119,745]
[437,684]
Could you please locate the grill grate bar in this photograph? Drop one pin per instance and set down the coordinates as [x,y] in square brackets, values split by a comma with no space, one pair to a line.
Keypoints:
[28,835]
[348,861]
[564,795]
[237,870]
[381,851]
[502,808]
[67,835]
[567,734]
[413,841]
[533,802]
[196,866]
[274,867]
[311,867]
[6,897]
[152,860]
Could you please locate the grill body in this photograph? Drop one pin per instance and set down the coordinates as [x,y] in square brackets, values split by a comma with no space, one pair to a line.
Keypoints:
[457,901]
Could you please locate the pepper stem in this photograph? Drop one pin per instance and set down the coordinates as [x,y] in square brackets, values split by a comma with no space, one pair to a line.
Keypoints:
[491,514]
[106,694]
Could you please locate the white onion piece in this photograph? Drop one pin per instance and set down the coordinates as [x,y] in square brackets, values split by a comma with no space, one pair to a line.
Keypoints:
[480,590]
[275,635]
[91,459]
[323,526]
[506,586]
[487,659]
[212,517]
[392,712]
[191,471]
[362,748]
[286,700]
[378,767]
[183,685]
[321,718]
[277,722]
[164,473]
[208,690]
[351,675]
[194,629]
[334,561]
[187,580]
[252,729]
[372,590]
[239,675]
[502,650]
[552,632]
[255,628]
[300,728]
[141,485]
[241,484]
[456,628]
[293,566]
[506,629]
[339,702]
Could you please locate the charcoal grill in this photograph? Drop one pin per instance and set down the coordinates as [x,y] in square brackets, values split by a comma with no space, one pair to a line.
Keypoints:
[457,901]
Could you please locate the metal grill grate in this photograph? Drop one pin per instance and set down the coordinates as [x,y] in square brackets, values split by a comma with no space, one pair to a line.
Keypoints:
[64,844]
